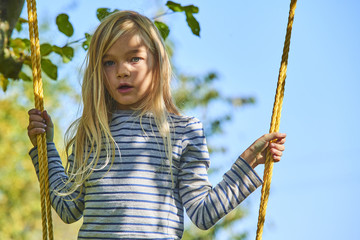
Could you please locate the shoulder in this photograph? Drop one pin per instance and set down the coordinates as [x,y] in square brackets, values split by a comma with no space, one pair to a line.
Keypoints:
[185,122]
[190,128]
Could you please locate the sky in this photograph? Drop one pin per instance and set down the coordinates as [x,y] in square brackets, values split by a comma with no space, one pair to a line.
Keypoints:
[315,188]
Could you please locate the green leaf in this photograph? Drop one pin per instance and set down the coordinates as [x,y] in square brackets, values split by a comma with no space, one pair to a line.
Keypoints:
[193,23]
[86,43]
[176,7]
[17,43]
[163,29]
[64,26]
[102,13]
[26,42]
[57,49]
[19,23]
[210,77]
[45,49]
[49,68]
[4,82]
[68,54]
[24,77]
[191,9]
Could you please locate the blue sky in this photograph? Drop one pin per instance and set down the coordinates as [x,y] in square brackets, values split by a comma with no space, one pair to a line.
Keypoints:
[315,189]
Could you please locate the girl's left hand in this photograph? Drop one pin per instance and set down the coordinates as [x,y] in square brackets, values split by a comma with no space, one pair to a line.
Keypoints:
[256,153]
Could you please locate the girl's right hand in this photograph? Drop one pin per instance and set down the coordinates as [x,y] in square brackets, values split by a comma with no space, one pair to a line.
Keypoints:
[38,124]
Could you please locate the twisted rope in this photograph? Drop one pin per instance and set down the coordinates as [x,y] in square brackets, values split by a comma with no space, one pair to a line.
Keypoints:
[41,139]
[275,122]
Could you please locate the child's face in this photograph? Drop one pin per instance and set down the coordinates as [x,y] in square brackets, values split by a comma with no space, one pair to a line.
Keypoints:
[128,66]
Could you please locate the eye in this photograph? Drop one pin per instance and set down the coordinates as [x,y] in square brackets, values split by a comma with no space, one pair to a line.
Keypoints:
[108,63]
[135,59]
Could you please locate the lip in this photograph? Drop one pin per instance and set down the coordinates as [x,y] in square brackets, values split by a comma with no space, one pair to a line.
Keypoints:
[124,88]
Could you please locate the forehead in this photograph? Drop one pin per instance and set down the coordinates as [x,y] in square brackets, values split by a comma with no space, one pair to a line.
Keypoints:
[127,42]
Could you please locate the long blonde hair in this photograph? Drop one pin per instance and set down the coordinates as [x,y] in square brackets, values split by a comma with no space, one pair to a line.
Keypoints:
[89,134]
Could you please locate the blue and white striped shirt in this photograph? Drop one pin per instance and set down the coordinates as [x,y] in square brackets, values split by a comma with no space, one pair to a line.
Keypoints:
[135,198]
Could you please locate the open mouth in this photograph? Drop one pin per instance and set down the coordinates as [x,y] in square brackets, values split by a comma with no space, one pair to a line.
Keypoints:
[124,87]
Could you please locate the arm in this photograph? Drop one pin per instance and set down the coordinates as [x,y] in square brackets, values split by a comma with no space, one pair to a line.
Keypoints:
[205,204]
[68,209]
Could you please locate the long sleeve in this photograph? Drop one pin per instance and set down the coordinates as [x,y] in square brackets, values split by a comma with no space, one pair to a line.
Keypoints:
[205,204]
[68,209]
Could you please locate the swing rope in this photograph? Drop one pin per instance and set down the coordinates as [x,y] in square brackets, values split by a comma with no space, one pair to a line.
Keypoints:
[275,121]
[41,139]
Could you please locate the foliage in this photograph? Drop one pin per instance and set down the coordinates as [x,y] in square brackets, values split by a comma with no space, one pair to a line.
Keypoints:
[20,215]
[15,175]
[189,13]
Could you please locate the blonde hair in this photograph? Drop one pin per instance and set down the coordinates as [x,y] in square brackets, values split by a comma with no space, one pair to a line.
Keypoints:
[89,134]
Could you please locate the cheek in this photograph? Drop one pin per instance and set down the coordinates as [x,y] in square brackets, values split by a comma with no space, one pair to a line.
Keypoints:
[106,74]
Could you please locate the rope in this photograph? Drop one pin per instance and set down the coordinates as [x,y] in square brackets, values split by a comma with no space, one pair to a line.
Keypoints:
[41,139]
[275,121]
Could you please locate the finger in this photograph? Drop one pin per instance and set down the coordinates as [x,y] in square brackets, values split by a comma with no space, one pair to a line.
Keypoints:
[276,158]
[276,154]
[281,140]
[35,131]
[47,119]
[279,136]
[272,136]
[277,146]
[34,111]
[36,124]
[36,118]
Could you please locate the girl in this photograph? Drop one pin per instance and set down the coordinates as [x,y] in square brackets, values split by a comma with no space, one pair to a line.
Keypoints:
[136,163]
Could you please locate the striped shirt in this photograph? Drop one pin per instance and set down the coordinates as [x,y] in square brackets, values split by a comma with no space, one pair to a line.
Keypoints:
[135,198]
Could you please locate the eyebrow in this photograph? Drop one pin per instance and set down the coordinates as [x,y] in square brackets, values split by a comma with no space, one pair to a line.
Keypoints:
[132,51]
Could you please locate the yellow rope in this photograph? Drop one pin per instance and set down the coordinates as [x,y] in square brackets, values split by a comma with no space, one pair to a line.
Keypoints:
[275,122]
[41,139]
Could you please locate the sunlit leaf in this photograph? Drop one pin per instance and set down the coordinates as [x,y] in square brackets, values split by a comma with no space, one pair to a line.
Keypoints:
[68,54]
[64,26]
[193,23]
[102,13]
[19,23]
[4,82]
[26,42]
[18,44]
[176,7]
[86,43]
[189,11]
[24,77]
[163,29]
[49,68]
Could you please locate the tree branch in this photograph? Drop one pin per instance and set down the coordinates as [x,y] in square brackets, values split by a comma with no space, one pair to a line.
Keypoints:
[10,11]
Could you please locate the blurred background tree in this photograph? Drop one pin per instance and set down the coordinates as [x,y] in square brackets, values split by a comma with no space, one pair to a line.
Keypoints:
[19,192]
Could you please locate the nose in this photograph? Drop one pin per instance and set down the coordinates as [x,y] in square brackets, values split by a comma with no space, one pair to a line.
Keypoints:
[123,70]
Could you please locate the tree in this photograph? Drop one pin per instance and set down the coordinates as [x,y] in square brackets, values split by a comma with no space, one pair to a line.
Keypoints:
[19,196]
[10,64]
